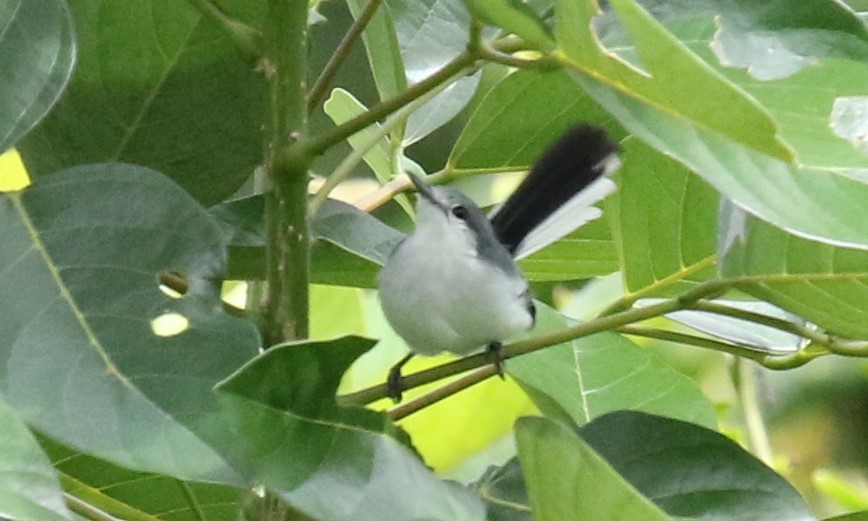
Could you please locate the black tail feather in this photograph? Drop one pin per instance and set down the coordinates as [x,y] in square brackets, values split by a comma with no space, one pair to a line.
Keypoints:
[565,169]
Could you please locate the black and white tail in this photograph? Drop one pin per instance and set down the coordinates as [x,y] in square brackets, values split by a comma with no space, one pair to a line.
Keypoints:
[559,193]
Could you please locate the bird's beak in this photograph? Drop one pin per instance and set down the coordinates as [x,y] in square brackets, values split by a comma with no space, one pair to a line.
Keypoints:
[424,190]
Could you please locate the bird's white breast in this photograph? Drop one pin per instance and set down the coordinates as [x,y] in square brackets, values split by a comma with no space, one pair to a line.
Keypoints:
[439,296]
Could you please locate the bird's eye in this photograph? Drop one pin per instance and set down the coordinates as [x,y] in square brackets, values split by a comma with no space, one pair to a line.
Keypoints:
[459,211]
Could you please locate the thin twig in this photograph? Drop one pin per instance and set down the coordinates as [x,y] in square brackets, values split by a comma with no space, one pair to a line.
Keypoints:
[444,391]
[461,64]
[745,380]
[518,348]
[87,510]
[342,51]
[246,38]
[349,163]
[817,337]
[752,353]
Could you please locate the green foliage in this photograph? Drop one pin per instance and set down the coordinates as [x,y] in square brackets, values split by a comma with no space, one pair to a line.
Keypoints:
[637,446]
[169,149]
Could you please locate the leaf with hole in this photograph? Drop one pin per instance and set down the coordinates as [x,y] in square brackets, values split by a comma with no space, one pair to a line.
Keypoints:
[79,271]
[740,156]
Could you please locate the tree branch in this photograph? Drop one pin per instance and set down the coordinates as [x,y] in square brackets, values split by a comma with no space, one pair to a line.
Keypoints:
[346,166]
[319,144]
[340,55]
[617,321]
[285,315]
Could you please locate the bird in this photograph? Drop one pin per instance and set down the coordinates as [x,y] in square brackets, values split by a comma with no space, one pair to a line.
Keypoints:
[453,285]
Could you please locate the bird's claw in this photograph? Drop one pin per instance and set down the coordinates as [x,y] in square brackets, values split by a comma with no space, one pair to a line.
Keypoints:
[495,350]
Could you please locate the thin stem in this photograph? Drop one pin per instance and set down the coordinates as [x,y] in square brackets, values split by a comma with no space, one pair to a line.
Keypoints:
[86,510]
[92,504]
[444,391]
[745,380]
[192,500]
[705,290]
[342,51]
[706,343]
[461,64]
[246,38]
[857,348]
[619,321]
[346,166]
[519,348]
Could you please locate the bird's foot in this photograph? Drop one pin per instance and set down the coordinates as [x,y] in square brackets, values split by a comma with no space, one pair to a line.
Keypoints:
[495,350]
[395,382]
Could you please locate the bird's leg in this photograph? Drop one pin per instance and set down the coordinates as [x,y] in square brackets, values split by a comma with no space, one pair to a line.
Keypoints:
[395,383]
[495,350]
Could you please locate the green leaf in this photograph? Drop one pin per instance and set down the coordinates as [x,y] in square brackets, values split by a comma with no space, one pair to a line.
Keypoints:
[358,237]
[157,85]
[779,38]
[333,471]
[384,57]
[667,220]
[37,52]
[821,283]
[688,471]
[303,378]
[505,492]
[513,16]
[691,471]
[731,144]
[128,494]
[29,488]
[706,101]
[384,52]
[578,381]
[342,106]
[519,118]
[328,302]
[854,516]
[79,357]
[587,252]
[290,414]
[743,332]
[349,249]
[801,104]
[567,480]
[430,34]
